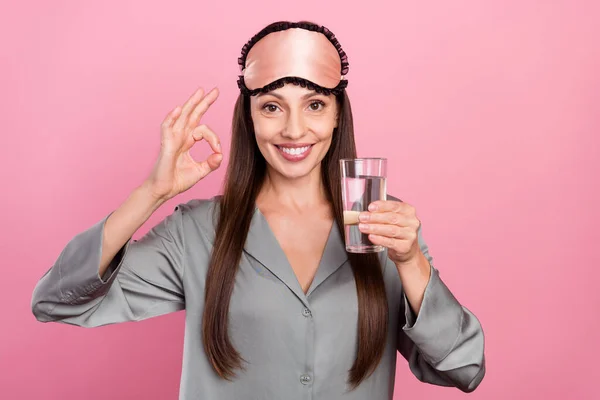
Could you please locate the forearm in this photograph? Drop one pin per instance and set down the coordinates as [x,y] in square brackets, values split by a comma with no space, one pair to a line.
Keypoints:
[445,343]
[125,221]
[415,275]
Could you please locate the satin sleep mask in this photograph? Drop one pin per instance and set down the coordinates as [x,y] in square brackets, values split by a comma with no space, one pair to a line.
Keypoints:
[300,53]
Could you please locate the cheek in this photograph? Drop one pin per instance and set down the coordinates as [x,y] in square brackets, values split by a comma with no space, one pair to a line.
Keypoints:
[325,124]
[323,128]
[265,130]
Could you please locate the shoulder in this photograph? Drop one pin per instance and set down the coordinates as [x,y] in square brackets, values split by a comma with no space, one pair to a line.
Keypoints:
[199,214]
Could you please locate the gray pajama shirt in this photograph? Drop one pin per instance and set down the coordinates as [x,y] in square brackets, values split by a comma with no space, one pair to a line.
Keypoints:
[298,346]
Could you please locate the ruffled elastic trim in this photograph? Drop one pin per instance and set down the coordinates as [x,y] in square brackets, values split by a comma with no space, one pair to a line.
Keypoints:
[279,83]
[281,26]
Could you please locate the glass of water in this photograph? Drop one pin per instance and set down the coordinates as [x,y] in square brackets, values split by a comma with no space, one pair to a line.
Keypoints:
[363,182]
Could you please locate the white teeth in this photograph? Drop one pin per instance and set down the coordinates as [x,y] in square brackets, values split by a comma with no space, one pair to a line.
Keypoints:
[295,151]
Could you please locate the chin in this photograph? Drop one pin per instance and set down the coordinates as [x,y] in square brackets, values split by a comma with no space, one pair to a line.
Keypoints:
[295,172]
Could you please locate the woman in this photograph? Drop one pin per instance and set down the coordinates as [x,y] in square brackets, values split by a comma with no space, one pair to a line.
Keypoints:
[275,306]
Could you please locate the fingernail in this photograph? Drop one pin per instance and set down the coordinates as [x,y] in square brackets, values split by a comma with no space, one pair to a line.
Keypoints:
[372,207]
[363,226]
[363,217]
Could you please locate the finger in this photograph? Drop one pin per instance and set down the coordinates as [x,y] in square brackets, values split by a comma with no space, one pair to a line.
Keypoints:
[210,164]
[197,134]
[170,118]
[382,241]
[391,206]
[202,107]
[187,108]
[204,132]
[387,230]
[392,218]
[398,245]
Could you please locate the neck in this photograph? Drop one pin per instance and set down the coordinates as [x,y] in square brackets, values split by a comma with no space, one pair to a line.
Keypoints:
[297,194]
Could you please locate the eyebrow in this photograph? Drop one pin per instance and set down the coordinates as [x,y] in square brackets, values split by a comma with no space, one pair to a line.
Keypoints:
[280,97]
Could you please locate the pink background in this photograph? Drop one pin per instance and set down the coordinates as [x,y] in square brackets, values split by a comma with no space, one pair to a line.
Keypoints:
[488,111]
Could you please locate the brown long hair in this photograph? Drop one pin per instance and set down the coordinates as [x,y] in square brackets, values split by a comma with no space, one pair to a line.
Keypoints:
[243,181]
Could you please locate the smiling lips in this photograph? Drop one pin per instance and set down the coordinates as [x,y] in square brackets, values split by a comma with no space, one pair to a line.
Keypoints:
[294,152]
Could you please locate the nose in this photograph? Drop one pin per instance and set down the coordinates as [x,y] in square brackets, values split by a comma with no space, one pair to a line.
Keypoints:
[295,126]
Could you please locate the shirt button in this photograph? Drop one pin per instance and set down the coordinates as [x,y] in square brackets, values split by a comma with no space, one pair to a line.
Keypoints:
[306,312]
[305,379]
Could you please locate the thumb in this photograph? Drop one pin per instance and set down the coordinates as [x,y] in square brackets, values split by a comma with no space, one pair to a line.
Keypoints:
[210,164]
[214,160]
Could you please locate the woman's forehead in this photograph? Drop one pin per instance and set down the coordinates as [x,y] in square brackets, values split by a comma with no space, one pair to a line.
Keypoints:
[291,93]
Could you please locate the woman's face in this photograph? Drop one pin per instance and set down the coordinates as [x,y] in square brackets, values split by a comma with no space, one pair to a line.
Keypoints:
[294,127]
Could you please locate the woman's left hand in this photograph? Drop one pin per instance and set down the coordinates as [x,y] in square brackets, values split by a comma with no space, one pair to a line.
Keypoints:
[394,225]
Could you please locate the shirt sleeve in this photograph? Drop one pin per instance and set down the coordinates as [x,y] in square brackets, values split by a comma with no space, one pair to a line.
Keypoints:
[444,344]
[143,280]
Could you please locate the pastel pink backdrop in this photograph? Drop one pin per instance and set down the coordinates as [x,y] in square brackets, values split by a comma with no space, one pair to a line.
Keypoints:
[488,112]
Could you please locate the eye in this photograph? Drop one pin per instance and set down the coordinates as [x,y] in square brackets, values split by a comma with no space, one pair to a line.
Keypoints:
[271,108]
[316,105]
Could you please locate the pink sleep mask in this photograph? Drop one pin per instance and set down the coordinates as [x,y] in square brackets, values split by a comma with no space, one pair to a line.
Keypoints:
[304,54]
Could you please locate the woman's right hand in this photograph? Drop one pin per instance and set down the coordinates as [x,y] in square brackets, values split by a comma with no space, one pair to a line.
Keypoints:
[176,171]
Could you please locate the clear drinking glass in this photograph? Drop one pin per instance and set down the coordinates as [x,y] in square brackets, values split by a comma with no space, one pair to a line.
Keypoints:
[363,182]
